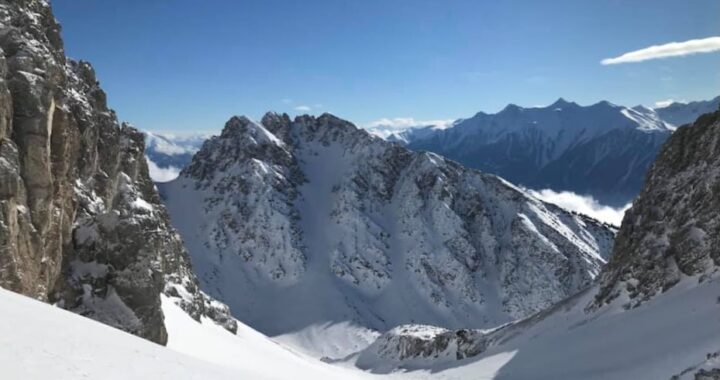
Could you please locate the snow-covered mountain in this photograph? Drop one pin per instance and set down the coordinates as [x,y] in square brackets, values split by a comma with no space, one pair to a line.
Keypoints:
[679,113]
[653,314]
[304,224]
[602,150]
[167,154]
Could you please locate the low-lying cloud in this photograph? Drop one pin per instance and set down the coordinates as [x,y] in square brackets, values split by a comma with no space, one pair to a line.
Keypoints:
[583,204]
[158,174]
[385,127]
[672,49]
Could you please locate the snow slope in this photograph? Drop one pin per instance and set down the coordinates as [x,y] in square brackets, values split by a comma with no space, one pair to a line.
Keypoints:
[39,341]
[673,334]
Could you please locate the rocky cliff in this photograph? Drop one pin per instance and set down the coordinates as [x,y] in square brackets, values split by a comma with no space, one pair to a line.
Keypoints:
[673,229]
[81,224]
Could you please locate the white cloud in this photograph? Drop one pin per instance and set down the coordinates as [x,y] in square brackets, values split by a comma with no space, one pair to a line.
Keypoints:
[303,108]
[159,174]
[666,102]
[672,49]
[385,127]
[583,204]
[401,123]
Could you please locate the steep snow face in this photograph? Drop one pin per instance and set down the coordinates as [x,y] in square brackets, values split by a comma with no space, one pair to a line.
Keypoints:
[684,113]
[38,341]
[602,150]
[168,154]
[297,224]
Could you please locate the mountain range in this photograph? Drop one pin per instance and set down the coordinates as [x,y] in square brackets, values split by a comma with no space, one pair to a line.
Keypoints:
[602,150]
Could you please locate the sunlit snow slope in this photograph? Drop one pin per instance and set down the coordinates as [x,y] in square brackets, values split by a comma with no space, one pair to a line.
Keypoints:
[39,341]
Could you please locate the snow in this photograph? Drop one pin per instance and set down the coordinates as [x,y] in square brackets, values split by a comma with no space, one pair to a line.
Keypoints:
[677,332]
[39,341]
[248,351]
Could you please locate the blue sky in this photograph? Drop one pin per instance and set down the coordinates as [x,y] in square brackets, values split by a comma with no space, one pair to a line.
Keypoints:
[188,65]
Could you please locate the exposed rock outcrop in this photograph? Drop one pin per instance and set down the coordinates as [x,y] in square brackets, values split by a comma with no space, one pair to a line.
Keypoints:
[673,229]
[81,224]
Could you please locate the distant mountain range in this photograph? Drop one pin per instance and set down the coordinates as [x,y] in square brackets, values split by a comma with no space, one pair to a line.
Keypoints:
[678,113]
[602,150]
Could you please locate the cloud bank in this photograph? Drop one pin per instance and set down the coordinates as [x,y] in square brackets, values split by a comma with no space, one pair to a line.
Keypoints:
[672,49]
[385,127]
[158,174]
[582,204]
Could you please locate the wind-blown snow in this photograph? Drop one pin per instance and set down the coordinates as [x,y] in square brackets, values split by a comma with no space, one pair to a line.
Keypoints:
[583,204]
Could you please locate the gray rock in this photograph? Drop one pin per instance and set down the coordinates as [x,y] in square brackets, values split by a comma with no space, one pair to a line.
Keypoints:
[81,224]
[673,229]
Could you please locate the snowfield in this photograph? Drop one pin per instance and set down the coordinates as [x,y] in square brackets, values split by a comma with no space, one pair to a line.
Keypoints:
[677,333]
[39,341]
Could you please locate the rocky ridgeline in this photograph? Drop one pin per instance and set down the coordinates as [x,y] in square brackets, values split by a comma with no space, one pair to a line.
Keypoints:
[315,210]
[673,229]
[81,224]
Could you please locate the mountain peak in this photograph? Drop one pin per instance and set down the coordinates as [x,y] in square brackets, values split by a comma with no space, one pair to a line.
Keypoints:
[561,102]
[243,128]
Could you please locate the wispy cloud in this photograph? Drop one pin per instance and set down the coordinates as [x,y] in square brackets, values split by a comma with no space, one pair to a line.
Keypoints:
[583,204]
[407,122]
[672,49]
[667,102]
[303,108]
[159,174]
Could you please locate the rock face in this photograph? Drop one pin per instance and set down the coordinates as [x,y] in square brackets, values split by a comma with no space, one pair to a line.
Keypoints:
[673,229]
[411,346]
[81,224]
[312,220]
[602,150]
